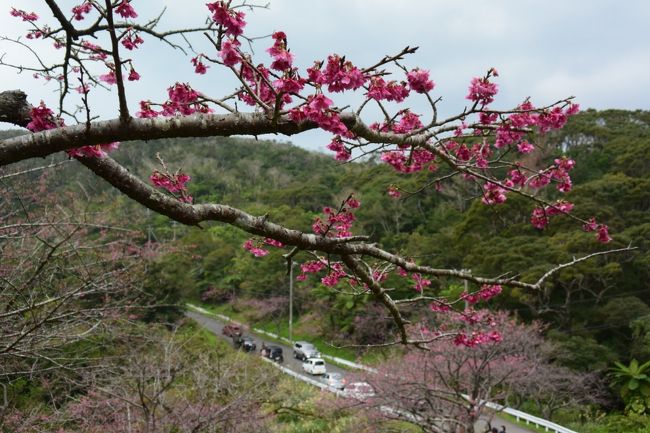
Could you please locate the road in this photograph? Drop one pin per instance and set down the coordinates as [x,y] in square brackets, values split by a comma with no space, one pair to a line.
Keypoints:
[216,327]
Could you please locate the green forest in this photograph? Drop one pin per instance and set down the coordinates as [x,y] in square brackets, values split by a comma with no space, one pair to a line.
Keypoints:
[596,314]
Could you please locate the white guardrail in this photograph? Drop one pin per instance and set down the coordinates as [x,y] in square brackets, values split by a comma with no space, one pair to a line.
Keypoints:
[520,416]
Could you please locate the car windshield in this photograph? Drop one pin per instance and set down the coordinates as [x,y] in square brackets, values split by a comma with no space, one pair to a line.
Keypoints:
[319,363]
[335,376]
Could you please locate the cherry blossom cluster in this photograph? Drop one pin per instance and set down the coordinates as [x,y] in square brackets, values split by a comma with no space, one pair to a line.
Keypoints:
[481,90]
[125,9]
[336,272]
[339,221]
[79,12]
[132,40]
[485,293]
[420,283]
[43,118]
[182,100]
[602,231]
[419,80]
[257,247]
[254,248]
[540,215]
[311,267]
[25,16]
[410,161]
[232,22]
[476,338]
[282,57]
[175,183]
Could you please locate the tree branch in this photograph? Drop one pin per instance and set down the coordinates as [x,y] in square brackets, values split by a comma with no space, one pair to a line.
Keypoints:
[14,108]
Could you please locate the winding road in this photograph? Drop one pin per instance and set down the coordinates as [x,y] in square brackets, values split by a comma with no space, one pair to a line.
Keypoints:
[216,326]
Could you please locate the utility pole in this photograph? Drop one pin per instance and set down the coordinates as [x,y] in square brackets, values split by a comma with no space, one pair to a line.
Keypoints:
[291,302]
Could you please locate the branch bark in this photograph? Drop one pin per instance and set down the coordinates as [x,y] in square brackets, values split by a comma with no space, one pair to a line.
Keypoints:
[14,107]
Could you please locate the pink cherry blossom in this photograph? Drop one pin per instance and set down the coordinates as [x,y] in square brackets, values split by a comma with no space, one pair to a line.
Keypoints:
[312,267]
[602,231]
[420,283]
[419,81]
[339,75]
[230,53]
[439,307]
[125,10]
[146,111]
[26,16]
[394,192]
[525,147]
[493,194]
[109,78]
[273,242]
[337,145]
[482,90]
[282,58]
[132,40]
[133,75]
[487,118]
[81,10]
[590,225]
[602,235]
[232,21]
[43,118]
[95,151]
[199,66]
[172,183]
[389,91]
[539,219]
[255,250]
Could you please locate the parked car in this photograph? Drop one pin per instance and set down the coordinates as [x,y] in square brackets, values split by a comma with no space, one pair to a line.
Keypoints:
[314,366]
[248,344]
[303,350]
[273,353]
[231,330]
[334,380]
[359,390]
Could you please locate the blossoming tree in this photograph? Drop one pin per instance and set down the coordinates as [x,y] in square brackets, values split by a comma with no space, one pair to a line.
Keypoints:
[481,145]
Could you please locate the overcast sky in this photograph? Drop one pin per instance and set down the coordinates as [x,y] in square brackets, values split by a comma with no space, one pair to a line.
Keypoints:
[596,50]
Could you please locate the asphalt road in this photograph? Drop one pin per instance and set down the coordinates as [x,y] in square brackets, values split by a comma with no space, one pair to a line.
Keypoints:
[290,362]
[295,365]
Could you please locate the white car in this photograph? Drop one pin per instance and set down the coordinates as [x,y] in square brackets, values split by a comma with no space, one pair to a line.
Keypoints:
[303,350]
[359,390]
[334,380]
[314,366]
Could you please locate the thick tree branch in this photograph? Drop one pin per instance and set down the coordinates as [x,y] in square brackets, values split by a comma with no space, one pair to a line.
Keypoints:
[207,125]
[14,108]
[193,214]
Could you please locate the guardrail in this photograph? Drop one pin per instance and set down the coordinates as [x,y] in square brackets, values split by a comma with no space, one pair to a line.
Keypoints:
[520,416]
[530,419]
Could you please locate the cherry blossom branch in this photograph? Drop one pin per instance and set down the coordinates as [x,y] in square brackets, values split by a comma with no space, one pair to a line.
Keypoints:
[209,125]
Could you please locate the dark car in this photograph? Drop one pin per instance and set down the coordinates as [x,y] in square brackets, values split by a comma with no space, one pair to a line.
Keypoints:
[273,353]
[248,344]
